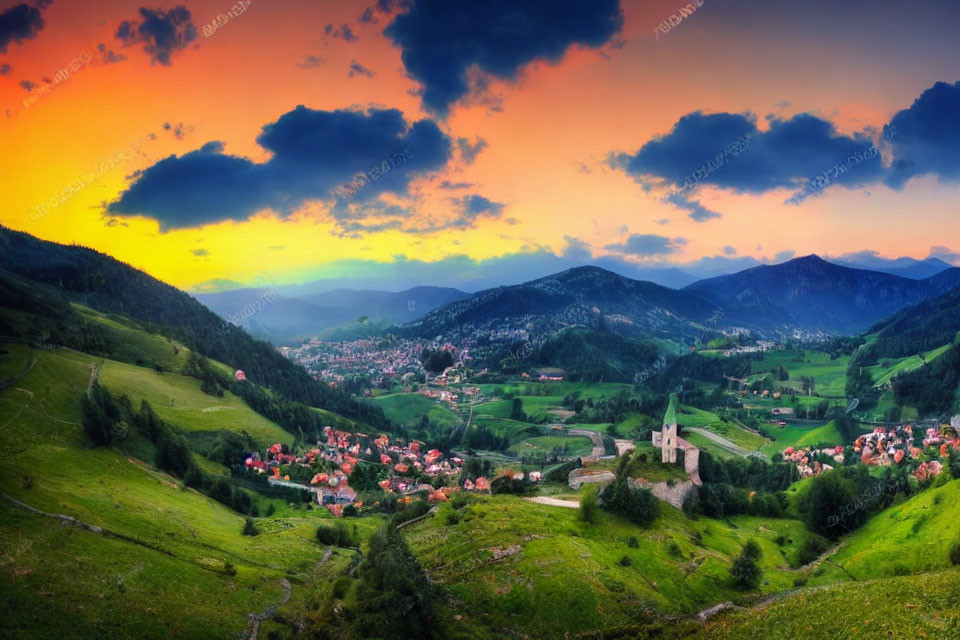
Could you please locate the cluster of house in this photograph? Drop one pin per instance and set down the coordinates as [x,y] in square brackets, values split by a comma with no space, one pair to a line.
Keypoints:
[884,446]
[340,454]
[332,361]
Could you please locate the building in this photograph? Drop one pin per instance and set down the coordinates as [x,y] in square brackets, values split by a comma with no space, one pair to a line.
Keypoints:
[670,442]
[667,438]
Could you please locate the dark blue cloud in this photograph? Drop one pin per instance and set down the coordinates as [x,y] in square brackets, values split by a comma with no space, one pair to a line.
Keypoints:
[441,40]
[468,151]
[647,244]
[703,149]
[19,22]
[162,33]
[314,153]
[926,137]
[344,32]
[697,212]
[357,69]
[474,205]
[804,152]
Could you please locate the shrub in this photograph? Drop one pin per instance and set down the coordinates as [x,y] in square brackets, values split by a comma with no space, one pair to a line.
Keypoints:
[638,505]
[954,554]
[674,549]
[228,568]
[414,510]
[632,542]
[350,511]
[453,517]
[745,571]
[588,504]
[336,534]
[249,528]
[799,582]
[625,561]
[781,540]
[271,510]
[810,550]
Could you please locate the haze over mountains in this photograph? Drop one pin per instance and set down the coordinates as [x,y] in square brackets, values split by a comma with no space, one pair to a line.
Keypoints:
[800,297]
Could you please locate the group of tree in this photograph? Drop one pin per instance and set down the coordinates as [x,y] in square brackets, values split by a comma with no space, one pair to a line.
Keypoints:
[106,420]
[638,505]
[392,598]
[436,360]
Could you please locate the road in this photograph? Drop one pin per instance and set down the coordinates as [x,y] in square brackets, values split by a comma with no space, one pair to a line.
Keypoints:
[595,438]
[555,502]
[720,441]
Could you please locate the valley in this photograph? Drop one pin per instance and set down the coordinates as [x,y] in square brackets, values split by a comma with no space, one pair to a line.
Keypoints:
[155,482]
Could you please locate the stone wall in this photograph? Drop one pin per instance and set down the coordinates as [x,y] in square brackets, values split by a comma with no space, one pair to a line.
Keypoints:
[578,477]
[675,494]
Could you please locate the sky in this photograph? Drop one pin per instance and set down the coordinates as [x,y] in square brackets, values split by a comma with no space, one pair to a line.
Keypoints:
[467,144]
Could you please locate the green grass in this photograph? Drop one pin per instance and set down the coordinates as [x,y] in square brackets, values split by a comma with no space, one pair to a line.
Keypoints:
[902,608]
[579,446]
[830,375]
[909,538]
[799,436]
[693,417]
[140,346]
[178,400]
[568,579]
[173,583]
[594,390]
[408,408]
[887,369]
[14,361]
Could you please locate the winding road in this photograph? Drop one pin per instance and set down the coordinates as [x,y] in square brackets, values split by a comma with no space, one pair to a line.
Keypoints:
[720,441]
[595,438]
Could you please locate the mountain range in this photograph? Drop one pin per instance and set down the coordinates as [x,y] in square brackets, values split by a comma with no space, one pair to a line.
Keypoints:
[801,297]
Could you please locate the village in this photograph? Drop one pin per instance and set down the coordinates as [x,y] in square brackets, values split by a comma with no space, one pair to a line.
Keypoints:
[399,468]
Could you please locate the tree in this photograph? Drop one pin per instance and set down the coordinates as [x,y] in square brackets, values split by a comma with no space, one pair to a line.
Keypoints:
[745,571]
[394,598]
[589,510]
[827,503]
[102,417]
[637,505]
[516,411]
[249,528]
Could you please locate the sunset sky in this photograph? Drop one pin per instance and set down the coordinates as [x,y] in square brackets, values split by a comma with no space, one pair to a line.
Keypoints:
[521,137]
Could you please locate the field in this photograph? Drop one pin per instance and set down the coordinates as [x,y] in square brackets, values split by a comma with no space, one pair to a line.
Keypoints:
[830,375]
[579,446]
[908,538]
[570,577]
[794,435]
[408,408]
[136,345]
[14,361]
[170,568]
[698,418]
[178,400]
[887,369]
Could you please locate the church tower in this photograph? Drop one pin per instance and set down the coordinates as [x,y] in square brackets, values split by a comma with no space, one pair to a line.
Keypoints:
[667,438]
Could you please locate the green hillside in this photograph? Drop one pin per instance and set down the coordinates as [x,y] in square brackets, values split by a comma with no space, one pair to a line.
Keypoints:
[409,408]
[567,577]
[162,571]
[179,400]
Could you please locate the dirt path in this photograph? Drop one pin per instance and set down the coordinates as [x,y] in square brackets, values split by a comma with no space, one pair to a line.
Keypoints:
[595,438]
[721,441]
[254,619]
[94,374]
[554,502]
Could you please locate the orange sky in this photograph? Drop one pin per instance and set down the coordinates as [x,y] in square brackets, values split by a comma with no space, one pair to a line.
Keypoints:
[547,142]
